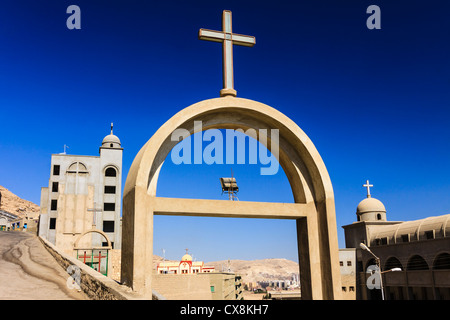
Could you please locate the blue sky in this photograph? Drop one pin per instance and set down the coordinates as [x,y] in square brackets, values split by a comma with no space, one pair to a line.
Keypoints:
[374,102]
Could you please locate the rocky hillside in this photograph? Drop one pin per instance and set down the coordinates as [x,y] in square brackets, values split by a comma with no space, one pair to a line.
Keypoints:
[259,270]
[253,270]
[11,203]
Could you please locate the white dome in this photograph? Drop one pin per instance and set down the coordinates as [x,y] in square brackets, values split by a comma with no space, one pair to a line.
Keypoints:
[110,139]
[370,205]
[186,257]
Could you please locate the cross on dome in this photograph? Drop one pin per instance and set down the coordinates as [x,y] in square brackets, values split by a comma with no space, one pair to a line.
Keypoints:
[228,38]
[368,186]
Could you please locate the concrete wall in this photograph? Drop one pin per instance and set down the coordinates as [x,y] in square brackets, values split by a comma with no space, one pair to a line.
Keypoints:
[224,284]
[182,286]
[114,264]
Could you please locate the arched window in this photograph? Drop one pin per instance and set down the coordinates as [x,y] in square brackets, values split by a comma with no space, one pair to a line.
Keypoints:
[371,262]
[77,179]
[378,216]
[442,262]
[392,263]
[110,172]
[417,263]
[78,168]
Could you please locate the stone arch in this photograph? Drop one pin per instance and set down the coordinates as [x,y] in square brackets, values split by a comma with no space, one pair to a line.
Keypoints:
[110,171]
[416,262]
[442,261]
[78,168]
[75,245]
[391,263]
[111,166]
[313,210]
[370,262]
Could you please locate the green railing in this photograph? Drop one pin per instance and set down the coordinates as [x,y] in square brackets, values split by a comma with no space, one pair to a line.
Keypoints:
[97,259]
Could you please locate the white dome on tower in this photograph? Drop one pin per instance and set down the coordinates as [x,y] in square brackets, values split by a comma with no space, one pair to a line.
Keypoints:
[370,209]
[111,140]
[370,205]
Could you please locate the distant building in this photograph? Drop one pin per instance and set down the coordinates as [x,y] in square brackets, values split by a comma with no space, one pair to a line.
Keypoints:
[420,249]
[193,280]
[225,285]
[184,266]
[83,198]
[27,222]
[347,263]
[6,218]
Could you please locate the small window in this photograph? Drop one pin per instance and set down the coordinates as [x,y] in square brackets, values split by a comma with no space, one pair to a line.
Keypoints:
[110,189]
[55,186]
[349,263]
[105,244]
[108,226]
[405,237]
[384,240]
[52,223]
[429,234]
[351,288]
[344,289]
[378,216]
[54,205]
[56,169]
[110,172]
[109,206]
[212,288]
[341,263]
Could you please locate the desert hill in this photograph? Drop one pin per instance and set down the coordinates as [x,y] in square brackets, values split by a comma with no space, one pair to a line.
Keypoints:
[259,270]
[11,203]
[253,270]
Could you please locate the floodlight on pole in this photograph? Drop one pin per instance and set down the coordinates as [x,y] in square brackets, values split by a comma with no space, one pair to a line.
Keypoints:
[229,185]
[364,247]
[393,270]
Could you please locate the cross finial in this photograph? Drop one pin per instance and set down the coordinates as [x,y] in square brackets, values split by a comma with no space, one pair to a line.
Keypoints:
[368,186]
[65,147]
[186,250]
[112,128]
[228,38]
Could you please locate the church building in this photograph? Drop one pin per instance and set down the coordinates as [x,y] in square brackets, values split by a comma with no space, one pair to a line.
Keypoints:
[185,266]
[83,199]
[414,256]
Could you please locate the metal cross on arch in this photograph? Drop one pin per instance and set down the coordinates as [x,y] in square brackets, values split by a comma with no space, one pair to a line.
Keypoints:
[228,38]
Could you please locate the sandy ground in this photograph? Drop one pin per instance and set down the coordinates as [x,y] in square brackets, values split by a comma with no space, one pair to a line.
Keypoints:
[29,272]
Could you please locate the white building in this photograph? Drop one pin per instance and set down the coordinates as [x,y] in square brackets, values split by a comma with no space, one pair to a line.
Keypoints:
[185,266]
[83,199]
